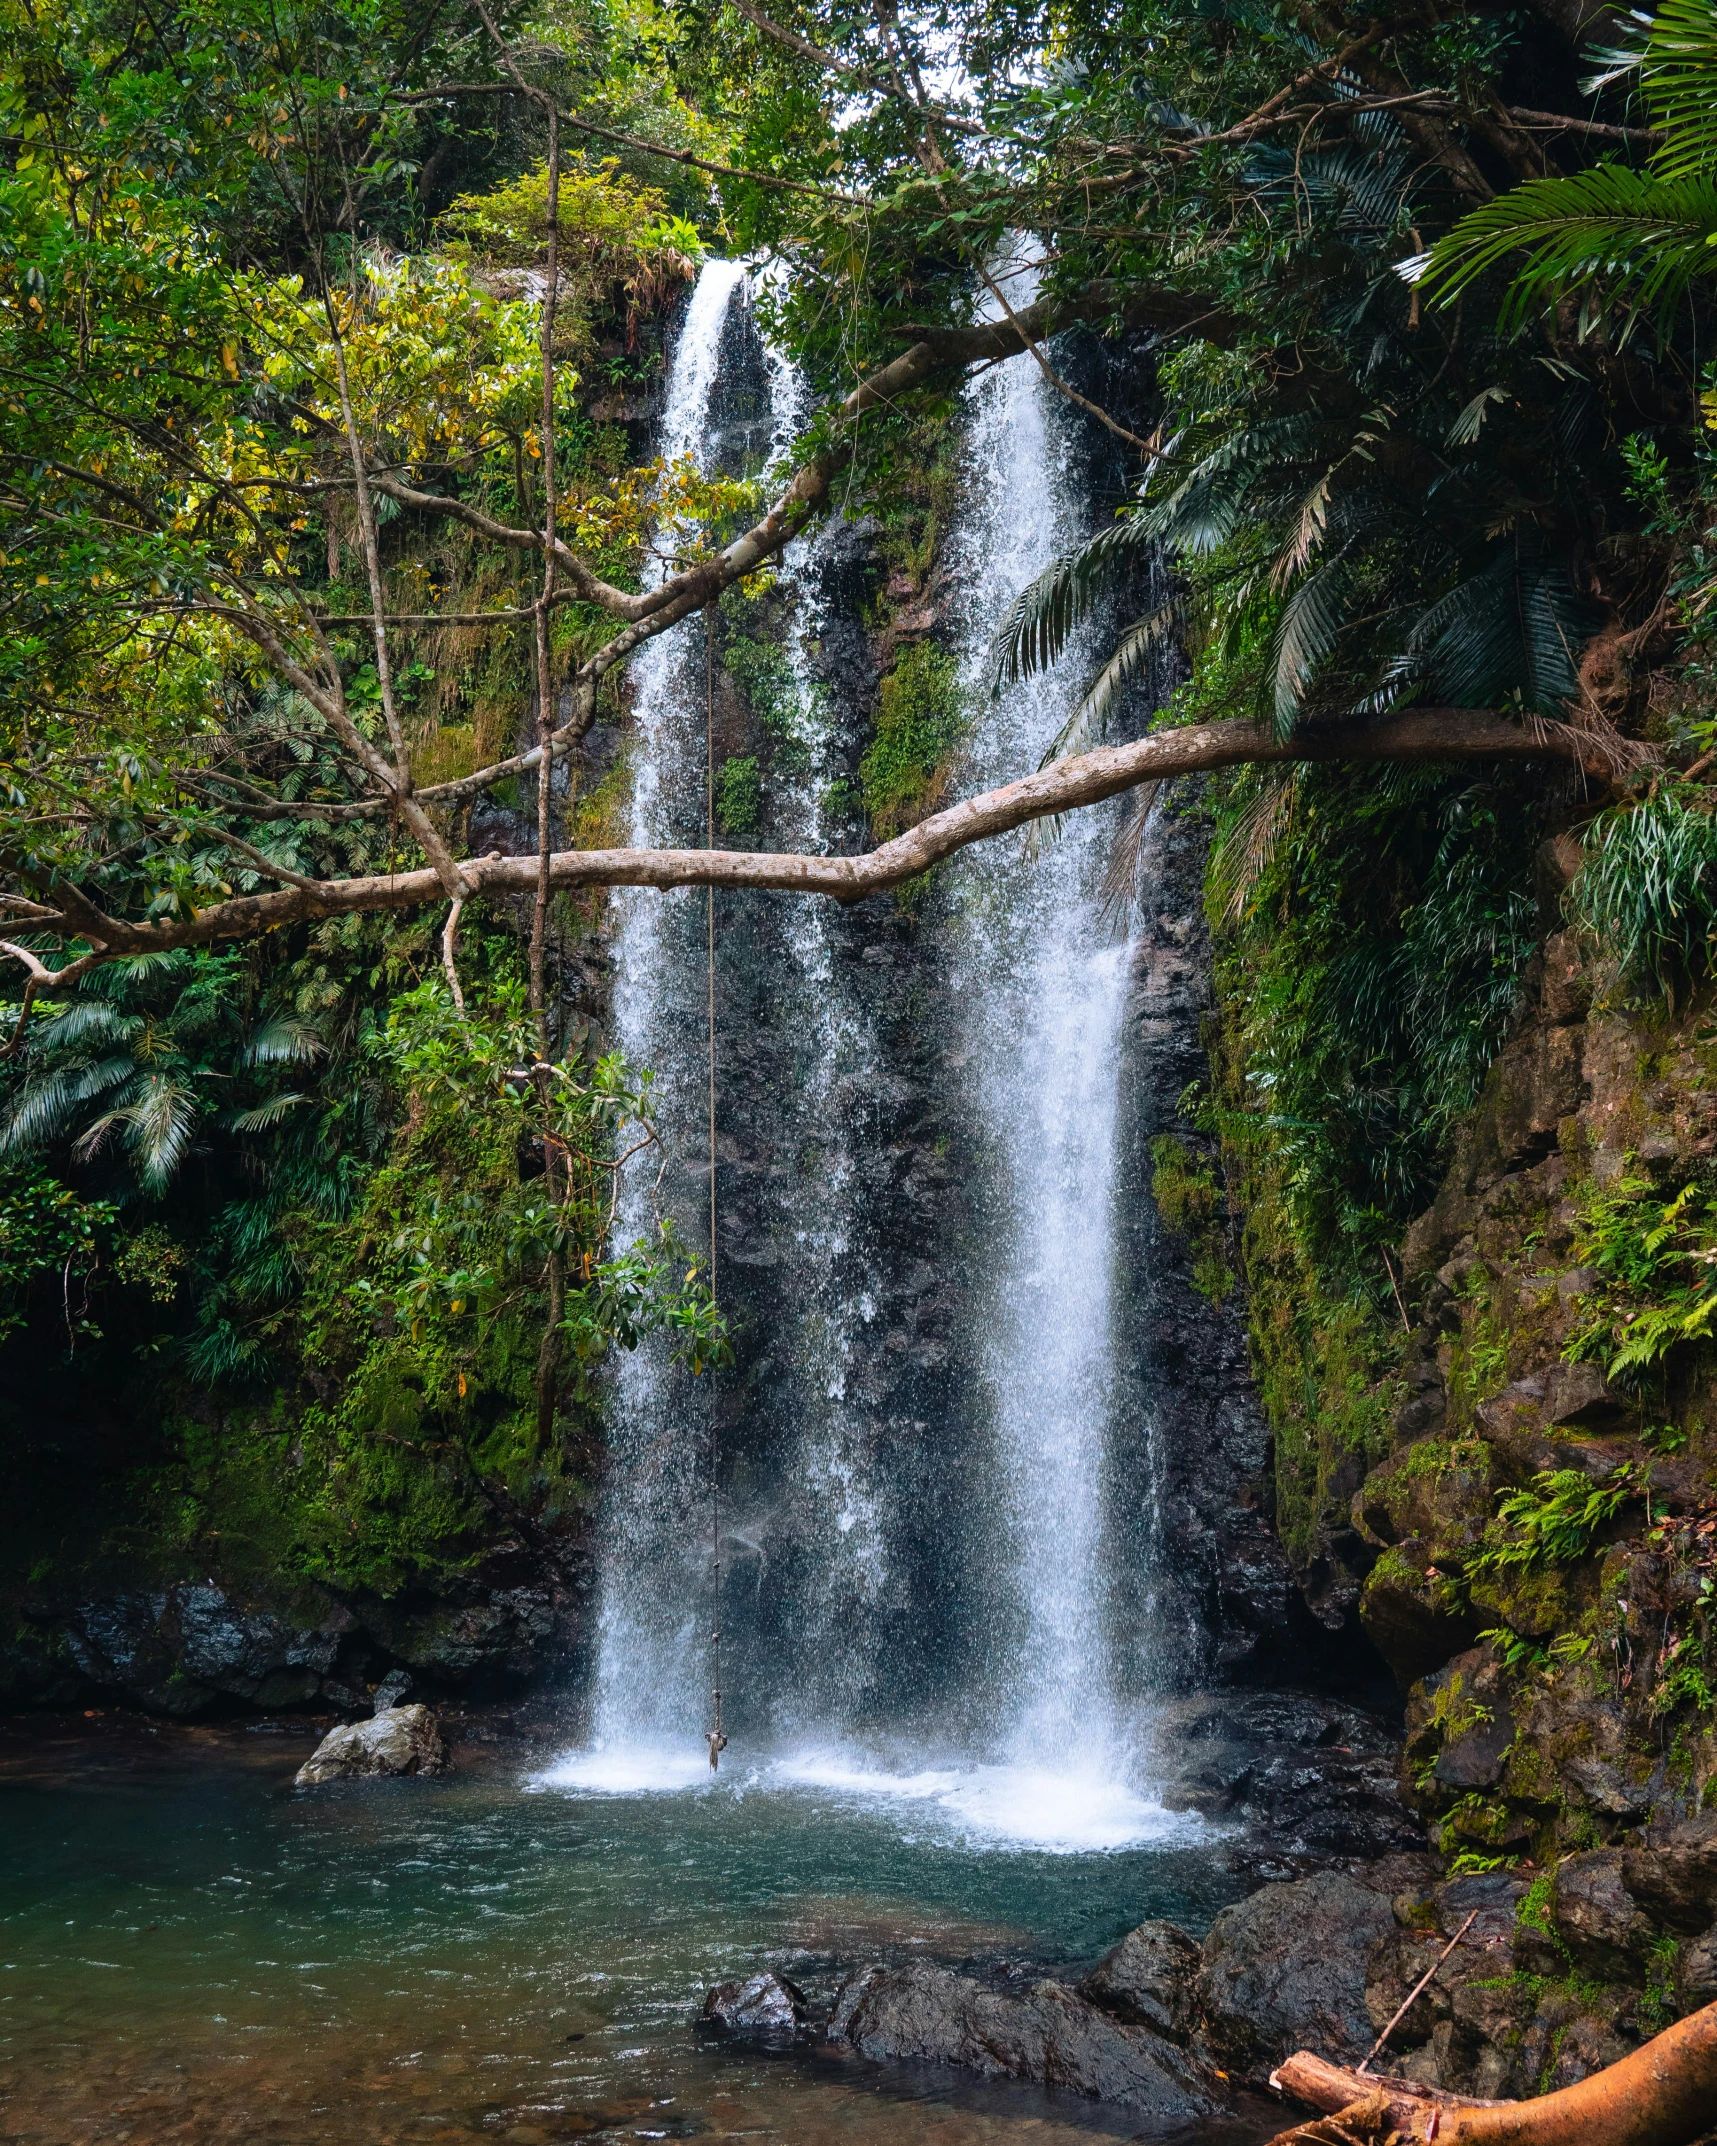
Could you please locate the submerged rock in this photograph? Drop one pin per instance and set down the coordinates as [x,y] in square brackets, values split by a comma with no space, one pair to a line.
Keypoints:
[404,1739]
[762,2004]
[1049,2034]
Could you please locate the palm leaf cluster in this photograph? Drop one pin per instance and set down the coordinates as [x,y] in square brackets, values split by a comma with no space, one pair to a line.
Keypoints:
[151,1054]
[1617,233]
[1390,528]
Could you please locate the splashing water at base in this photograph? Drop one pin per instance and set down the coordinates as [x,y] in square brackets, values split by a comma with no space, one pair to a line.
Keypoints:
[992,1808]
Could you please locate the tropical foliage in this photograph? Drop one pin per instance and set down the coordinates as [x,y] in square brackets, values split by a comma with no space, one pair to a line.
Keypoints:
[1392,337]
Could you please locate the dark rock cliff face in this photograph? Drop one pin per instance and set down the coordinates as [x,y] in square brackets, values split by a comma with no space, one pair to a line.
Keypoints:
[1221,1601]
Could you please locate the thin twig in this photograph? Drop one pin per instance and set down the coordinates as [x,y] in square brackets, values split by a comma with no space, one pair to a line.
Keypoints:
[634,141]
[1407,2002]
[1055,380]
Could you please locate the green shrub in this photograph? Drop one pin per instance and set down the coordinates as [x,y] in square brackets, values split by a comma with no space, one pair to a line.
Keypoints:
[739,797]
[919,721]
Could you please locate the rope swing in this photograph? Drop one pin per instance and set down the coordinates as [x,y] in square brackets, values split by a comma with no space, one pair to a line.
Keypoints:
[713,1736]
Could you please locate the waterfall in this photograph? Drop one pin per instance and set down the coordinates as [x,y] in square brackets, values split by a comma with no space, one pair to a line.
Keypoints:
[653,1621]
[1044,984]
[855,1532]
[803,1545]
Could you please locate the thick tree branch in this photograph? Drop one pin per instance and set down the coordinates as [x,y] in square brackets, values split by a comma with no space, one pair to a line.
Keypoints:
[1087,779]
[39,977]
[1662,2095]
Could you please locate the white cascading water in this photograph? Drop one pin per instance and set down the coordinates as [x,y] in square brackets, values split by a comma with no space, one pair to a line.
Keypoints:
[651,1698]
[653,1623]
[843,1496]
[1043,986]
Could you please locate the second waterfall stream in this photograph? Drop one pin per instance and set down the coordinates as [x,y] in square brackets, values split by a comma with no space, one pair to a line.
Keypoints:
[834,1611]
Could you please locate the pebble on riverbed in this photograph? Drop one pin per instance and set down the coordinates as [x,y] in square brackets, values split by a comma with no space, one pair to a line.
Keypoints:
[404,1739]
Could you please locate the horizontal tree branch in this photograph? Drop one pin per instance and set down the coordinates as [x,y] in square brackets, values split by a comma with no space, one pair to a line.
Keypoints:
[1066,785]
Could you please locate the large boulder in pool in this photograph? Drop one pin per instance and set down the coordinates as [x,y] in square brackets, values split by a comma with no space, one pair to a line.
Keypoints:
[762,2004]
[1049,2034]
[1286,1970]
[404,1739]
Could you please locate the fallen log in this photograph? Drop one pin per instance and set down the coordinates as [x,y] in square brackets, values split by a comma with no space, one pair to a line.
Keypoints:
[1664,2094]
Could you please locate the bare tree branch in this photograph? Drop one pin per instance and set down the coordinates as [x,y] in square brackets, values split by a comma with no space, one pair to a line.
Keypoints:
[1087,779]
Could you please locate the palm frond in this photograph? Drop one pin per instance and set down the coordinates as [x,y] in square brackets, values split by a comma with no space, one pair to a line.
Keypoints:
[39,1111]
[1243,855]
[159,1127]
[1090,719]
[1121,874]
[1470,423]
[1208,505]
[1307,630]
[91,1141]
[46,1105]
[1650,236]
[1679,77]
[282,1039]
[1047,611]
[87,1021]
[264,1115]
[1515,627]
[118,976]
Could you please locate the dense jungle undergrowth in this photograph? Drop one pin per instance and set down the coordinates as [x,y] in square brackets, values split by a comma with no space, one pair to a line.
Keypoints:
[321,534]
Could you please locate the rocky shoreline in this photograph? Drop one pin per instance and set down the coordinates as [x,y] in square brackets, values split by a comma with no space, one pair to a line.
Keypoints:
[1525,2000]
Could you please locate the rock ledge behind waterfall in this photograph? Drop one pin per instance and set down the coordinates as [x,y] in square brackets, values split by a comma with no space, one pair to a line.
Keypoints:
[404,1739]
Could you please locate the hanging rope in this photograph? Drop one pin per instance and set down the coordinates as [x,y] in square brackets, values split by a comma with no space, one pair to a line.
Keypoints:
[713,1736]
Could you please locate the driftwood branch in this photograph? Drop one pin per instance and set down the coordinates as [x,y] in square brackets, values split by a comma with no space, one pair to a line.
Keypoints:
[1664,2094]
[1064,786]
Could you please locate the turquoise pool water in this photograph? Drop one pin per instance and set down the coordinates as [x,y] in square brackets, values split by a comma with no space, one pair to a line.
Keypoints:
[190,1950]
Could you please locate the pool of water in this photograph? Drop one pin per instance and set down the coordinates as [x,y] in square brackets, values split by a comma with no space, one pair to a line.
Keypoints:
[192,1950]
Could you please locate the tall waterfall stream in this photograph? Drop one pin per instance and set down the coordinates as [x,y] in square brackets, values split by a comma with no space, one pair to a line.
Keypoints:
[1035,972]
